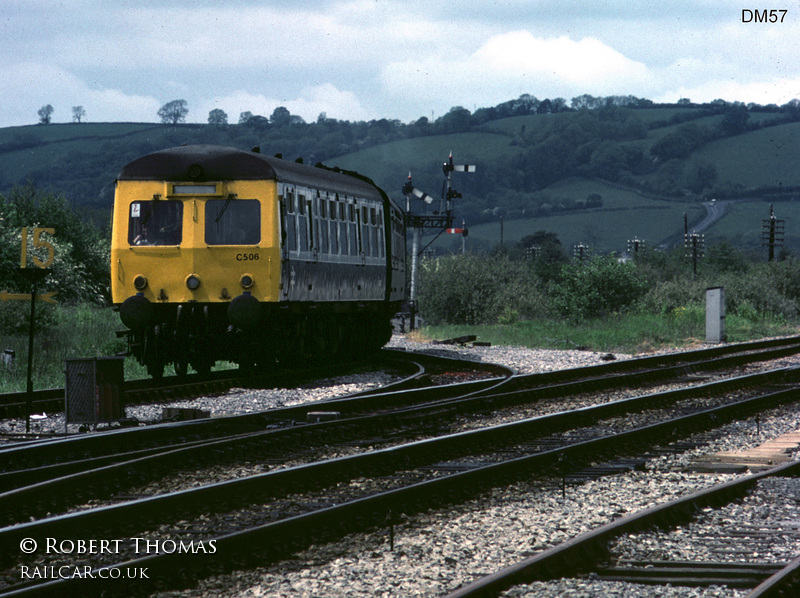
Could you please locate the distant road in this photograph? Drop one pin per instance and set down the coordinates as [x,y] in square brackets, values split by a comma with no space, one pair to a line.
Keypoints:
[714,211]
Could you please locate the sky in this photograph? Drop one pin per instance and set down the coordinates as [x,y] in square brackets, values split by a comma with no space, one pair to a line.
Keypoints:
[371,59]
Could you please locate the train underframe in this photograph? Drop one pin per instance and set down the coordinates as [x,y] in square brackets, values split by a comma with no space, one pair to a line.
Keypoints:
[197,335]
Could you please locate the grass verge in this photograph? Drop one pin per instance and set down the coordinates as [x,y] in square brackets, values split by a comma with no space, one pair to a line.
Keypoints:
[632,334]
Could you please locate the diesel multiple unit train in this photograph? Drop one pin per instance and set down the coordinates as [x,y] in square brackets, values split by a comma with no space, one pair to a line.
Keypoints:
[223,254]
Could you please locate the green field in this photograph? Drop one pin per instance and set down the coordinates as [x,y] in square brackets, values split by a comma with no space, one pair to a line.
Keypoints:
[763,158]
[752,168]
[389,164]
[625,215]
[603,230]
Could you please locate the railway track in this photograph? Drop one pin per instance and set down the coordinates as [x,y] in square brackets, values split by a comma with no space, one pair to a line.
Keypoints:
[152,451]
[174,388]
[596,554]
[369,510]
[38,461]
[515,390]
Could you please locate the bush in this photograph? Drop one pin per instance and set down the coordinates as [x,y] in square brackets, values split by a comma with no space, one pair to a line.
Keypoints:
[595,288]
[670,295]
[469,289]
[760,292]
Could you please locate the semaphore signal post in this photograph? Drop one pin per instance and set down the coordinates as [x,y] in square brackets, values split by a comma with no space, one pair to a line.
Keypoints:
[441,221]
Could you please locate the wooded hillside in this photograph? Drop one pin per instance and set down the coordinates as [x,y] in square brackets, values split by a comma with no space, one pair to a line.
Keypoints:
[597,170]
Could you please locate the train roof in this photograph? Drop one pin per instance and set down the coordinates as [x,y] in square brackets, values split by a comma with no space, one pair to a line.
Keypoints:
[205,163]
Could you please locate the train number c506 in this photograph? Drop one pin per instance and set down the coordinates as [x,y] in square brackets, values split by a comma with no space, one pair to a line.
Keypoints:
[247,257]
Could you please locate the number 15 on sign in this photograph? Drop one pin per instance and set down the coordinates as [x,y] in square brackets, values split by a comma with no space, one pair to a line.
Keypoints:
[37,243]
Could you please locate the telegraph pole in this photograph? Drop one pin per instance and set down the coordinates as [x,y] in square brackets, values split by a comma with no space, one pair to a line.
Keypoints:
[772,232]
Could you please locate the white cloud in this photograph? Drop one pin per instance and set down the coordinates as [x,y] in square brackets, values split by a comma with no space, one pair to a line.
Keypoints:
[28,86]
[309,103]
[365,59]
[760,92]
[517,62]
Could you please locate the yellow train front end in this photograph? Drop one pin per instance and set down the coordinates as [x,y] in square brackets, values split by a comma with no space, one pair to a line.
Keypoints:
[223,254]
[191,260]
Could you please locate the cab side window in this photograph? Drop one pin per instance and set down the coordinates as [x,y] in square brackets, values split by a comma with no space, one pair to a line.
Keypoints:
[155,222]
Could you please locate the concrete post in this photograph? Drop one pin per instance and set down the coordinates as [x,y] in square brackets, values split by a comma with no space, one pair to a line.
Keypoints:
[715,315]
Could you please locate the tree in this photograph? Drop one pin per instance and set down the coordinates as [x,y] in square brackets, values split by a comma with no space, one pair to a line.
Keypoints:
[45,114]
[78,113]
[586,101]
[455,121]
[244,117]
[79,271]
[173,112]
[735,121]
[217,117]
[281,116]
[700,175]
[607,161]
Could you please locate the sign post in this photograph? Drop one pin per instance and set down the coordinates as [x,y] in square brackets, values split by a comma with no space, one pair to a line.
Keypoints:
[33,276]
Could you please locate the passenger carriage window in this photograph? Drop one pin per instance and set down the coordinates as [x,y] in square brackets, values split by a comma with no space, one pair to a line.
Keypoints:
[363,232]
[233,221]
[381,242]
[334,236]
[324,236]
[320,224]
[333,227]
[352,228]
[311,224]
[290,220]
[156,222]
[291,230]
[302,223]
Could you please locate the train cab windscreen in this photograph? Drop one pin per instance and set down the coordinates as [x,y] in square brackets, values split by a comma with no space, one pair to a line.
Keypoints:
[155,222]
[233,222]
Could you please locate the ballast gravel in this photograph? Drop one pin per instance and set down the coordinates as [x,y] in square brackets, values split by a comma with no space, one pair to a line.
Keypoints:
[438,551]
[238,400]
